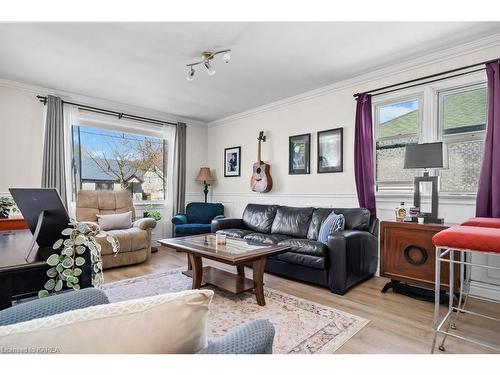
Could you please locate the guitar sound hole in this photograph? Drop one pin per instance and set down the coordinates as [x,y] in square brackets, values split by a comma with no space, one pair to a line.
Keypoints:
[258,170]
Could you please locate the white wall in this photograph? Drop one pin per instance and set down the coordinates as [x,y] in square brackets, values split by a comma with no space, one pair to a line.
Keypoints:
[196,153]
[21,139]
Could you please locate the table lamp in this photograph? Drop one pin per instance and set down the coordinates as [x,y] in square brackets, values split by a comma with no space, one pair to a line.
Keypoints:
[204,175]
[426,155]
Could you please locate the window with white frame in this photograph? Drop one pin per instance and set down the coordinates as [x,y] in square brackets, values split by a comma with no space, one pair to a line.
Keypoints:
[397,123]
[107,159]
[451,111]
[462,121]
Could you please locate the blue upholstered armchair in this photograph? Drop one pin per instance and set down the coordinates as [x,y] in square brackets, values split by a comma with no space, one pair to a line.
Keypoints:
[197,219]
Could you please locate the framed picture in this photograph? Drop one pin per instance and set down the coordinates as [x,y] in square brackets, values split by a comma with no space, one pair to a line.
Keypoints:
[232,162]
[299,154]
[330,151]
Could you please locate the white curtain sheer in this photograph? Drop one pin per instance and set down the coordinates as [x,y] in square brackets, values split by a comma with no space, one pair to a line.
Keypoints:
[169,161]
[71,117]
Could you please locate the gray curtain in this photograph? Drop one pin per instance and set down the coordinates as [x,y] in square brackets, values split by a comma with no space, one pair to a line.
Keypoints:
[180,169]
[53,167]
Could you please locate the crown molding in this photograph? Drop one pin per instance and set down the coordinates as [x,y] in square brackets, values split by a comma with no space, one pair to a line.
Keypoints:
[108,104]
[396,68]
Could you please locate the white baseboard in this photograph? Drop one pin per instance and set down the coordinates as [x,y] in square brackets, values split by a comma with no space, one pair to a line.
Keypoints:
[485,290]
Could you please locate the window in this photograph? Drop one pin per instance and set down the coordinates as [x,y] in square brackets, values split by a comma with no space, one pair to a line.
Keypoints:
[454,112]
[397,124]
[114,160]
[104,186]
[463,122]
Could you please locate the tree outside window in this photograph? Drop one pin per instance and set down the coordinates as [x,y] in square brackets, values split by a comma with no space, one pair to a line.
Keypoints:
[117,160]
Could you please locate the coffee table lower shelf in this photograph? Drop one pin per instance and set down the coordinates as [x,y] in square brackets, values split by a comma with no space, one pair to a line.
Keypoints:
[224,280]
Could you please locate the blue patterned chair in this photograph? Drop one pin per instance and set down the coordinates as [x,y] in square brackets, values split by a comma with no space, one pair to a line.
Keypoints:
[197,218]
[255,337]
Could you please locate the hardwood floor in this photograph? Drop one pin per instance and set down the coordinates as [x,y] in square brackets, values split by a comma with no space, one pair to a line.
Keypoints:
[398,324]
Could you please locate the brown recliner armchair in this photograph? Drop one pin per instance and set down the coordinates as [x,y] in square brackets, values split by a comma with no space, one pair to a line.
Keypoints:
[135,242]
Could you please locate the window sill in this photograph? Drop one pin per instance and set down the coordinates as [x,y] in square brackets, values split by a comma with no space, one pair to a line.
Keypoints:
[394,194]
[147,203]
[444,198]
[143,203]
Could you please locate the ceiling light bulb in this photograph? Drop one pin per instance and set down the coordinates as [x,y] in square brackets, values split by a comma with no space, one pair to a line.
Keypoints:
[190,75]
[226,57]
[210,68]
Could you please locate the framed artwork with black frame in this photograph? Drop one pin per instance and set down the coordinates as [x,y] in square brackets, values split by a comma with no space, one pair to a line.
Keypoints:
[330,151]
[232,161]
[299,154]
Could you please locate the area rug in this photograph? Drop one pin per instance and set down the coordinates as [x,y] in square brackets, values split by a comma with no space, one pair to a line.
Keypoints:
[301,326]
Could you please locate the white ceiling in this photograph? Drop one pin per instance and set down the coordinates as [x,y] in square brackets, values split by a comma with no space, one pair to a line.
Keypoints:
[143,64]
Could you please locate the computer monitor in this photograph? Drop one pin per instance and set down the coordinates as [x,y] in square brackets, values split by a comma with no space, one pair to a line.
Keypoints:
[44,213]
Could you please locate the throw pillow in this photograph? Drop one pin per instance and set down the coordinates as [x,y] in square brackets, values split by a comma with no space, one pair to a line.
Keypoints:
[333,223]
[115,221]
[162,324]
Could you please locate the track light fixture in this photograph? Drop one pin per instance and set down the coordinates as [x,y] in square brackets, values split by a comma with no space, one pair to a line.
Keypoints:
[207,56]
[190,75]
[210,68]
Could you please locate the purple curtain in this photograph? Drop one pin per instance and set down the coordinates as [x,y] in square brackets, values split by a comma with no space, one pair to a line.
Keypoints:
[363,154]
[488,193]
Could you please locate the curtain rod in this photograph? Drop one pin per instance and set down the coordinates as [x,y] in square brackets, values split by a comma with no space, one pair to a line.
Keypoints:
[120,115]
[357,95]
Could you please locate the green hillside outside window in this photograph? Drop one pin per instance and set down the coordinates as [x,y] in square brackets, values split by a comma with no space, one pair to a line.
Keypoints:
[463,120]
[398,125]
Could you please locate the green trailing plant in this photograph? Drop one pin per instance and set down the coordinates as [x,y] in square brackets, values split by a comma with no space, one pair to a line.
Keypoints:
[154,214]
[6,205]
[66,267]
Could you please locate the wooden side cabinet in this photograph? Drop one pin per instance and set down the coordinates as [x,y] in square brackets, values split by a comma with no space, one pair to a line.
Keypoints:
[408,258]
[17,223]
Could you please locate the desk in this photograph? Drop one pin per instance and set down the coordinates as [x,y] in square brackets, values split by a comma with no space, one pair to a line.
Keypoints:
[20,278]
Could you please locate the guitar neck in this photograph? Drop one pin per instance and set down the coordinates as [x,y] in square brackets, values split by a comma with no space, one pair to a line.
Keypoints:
[258,152]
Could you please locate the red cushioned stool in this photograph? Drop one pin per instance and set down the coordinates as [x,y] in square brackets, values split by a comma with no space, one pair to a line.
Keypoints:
[478,235]
[486,222]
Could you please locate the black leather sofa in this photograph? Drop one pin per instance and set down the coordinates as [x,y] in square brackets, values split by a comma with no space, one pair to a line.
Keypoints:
[350,257]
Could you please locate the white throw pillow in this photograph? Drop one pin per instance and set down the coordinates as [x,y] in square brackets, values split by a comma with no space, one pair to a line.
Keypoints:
[167,323]
[115,221]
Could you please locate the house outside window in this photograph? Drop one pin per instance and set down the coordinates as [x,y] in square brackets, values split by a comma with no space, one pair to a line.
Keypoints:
[453,112]
[119,160]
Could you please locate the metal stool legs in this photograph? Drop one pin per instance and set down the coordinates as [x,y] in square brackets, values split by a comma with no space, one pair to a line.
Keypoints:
[451,317]
[437,293]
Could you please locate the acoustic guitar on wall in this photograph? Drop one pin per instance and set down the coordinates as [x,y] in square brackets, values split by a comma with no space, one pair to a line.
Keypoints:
[262,181]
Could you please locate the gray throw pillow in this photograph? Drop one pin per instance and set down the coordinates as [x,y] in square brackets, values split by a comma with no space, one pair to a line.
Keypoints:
[115,221]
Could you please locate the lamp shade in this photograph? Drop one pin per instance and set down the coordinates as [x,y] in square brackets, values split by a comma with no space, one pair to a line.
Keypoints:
[204,175]
[426,155]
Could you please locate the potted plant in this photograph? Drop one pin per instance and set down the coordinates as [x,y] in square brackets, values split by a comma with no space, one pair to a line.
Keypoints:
[6,205]
[421,218]
[66,266]
[154,214]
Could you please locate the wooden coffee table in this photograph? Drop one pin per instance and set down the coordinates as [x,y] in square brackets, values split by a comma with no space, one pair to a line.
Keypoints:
[235,252]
